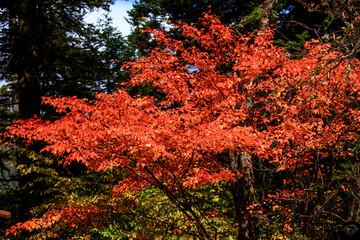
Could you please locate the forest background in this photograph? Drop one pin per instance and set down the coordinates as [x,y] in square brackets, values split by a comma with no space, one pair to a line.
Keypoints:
[239,126]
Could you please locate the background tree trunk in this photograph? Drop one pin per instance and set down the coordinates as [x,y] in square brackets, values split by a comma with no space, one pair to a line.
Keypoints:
[5,214]
[28,45]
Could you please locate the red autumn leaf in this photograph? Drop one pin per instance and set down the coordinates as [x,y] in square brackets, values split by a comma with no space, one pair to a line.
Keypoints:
[230,93]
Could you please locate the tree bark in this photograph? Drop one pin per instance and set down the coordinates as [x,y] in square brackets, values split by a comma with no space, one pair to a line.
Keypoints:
[244,194]
[5,214]
[267,7]
[28,44]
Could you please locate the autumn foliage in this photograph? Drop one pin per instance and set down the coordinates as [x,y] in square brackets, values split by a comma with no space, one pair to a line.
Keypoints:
[224,93]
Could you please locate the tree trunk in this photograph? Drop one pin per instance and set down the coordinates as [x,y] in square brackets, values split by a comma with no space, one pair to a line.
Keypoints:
[27,44]
[244,194]
[26,64]
[267,7]
[5,214]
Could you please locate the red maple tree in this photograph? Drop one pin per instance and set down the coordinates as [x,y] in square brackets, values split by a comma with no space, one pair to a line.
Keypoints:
[230,99]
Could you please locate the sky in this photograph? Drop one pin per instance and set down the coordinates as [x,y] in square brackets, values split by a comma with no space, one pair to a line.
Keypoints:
[117,13]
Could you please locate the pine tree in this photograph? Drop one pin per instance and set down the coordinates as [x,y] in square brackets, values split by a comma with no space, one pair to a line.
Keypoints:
[48,49]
